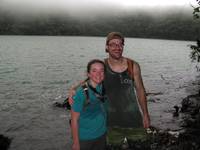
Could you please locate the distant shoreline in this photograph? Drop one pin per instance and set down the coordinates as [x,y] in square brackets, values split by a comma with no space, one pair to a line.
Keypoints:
[92,36]
[178,25]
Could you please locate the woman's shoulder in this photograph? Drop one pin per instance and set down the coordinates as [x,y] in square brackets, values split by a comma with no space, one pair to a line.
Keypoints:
[79,94]
[79,89]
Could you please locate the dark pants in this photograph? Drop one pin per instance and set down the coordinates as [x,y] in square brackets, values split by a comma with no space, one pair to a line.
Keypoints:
[96,144]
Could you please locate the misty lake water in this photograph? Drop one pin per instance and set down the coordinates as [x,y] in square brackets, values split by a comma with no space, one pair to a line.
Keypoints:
[36,71]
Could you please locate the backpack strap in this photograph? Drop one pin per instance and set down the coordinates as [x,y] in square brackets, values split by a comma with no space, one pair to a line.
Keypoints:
[99,95]
[85,89]
[130,68]
[84,85]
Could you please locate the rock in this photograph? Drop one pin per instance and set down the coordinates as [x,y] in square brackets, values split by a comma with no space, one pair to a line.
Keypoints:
[185,139]
[176,113]
[65,104]
[4,142]
[125,145]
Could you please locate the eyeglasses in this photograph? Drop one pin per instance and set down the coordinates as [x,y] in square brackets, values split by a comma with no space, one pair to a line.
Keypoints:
[114,45]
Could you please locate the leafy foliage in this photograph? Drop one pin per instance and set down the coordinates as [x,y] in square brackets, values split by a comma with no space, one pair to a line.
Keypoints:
[196,10]
[195,53]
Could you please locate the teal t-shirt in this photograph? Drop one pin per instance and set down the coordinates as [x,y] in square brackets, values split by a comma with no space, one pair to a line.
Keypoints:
[92,121]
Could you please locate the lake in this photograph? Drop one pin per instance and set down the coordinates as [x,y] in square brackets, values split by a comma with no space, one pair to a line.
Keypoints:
[36,71]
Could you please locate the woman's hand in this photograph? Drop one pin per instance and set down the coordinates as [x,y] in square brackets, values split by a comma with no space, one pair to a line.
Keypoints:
[70,95]
[75,146]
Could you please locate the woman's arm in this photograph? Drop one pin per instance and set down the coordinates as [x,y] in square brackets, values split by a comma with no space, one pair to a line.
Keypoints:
[75,132]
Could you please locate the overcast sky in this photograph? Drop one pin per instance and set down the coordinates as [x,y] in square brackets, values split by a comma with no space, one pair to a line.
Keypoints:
[80,2]
[86,6]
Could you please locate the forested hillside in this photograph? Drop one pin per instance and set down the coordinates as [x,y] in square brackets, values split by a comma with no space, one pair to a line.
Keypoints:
[171,26]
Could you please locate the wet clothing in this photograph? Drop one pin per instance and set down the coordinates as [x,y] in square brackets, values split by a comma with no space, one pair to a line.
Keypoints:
[123,110]
[92,120]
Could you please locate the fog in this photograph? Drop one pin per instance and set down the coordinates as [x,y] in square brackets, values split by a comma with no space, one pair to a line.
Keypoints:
[96,18]
[86,7]
[93,8]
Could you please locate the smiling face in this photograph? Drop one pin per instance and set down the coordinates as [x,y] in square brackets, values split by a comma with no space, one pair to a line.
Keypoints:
[96,73]
[115,48]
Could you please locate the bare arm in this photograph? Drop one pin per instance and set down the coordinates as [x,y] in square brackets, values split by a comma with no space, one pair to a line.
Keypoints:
[72,91]
[75,132]
[141,95]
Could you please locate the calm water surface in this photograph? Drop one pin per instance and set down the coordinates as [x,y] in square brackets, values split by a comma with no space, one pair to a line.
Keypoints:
[36,71]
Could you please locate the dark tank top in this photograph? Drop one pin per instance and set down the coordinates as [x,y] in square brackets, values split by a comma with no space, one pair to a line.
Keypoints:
[123,110]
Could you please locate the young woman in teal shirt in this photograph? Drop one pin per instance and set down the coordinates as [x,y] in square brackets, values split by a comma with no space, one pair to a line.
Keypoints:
[88,112]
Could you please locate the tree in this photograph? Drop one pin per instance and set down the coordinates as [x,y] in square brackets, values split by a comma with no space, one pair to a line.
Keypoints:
[196,10]
[195,53]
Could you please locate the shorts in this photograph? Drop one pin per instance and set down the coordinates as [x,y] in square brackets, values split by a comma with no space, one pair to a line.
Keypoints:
[95,144]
